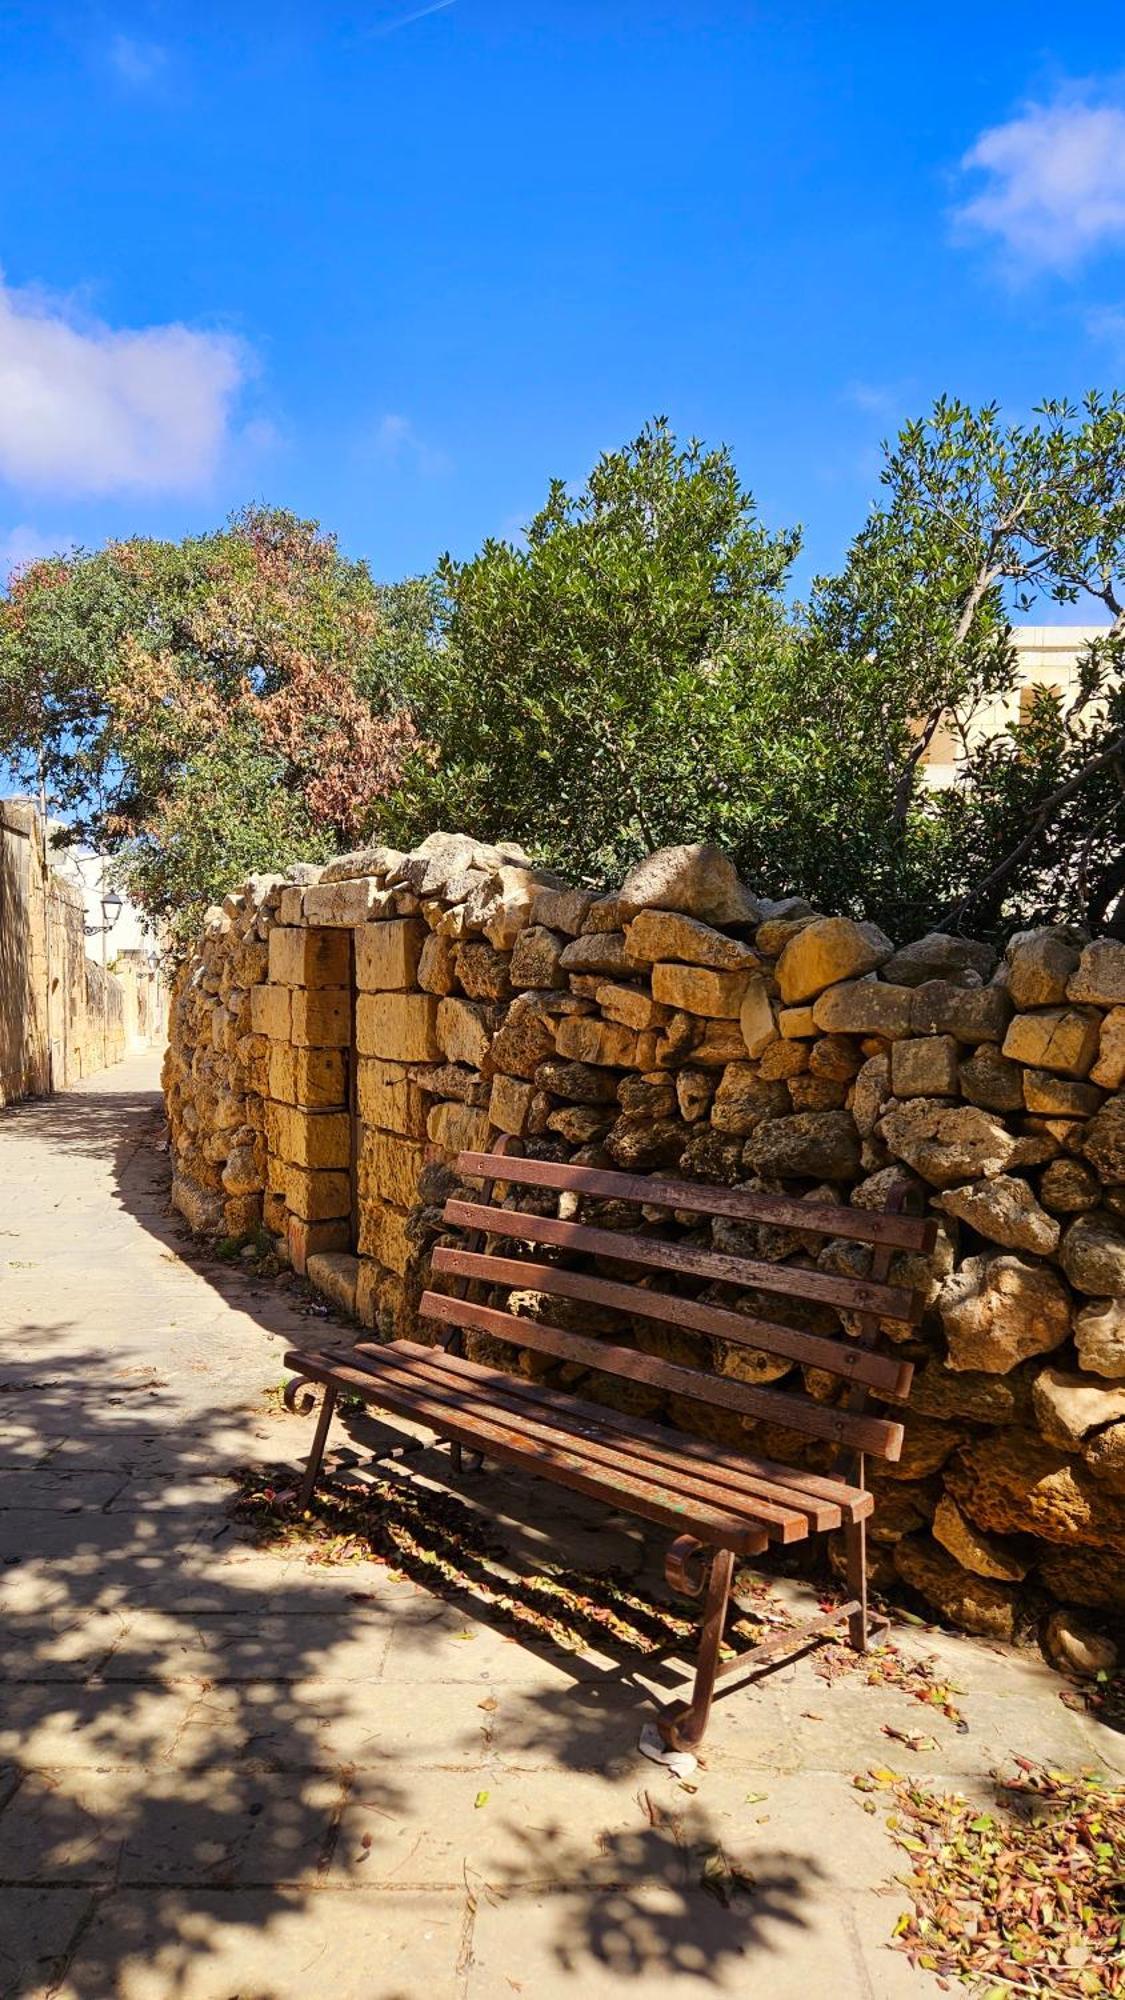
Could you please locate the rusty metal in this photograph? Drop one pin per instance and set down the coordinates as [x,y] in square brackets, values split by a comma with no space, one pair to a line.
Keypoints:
[682,1724]
[686,1582]
[300,1393]
[312,1468]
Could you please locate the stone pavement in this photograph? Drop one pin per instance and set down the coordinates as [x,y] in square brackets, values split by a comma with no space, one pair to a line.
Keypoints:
[227,1773]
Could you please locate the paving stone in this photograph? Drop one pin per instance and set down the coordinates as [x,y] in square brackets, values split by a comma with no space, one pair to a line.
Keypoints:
[36,1926]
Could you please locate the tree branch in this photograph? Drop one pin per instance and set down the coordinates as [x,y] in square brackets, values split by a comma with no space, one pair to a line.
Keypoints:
[1023,847]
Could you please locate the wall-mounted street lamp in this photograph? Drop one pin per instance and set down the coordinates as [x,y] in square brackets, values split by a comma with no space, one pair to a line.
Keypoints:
[111,910]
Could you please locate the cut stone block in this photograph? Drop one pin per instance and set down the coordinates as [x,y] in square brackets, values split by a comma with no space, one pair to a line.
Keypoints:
[458,1128]
[402,1027]
[344,904]
[382,1235]
[1057,1038]
[322,1019]
[864,1007]
[335,1272]
[308,957]
[464,1031]
[314,1078]
[270,1011]
[317,1197]
[309,1138]
[390,1168]
[926,1067]
[696,989]
[509,1106]
[586,1038]
[387,954]
[389,1098]
[306,1239]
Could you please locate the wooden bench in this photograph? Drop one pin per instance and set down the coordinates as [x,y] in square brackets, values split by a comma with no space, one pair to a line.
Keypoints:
[720,1504]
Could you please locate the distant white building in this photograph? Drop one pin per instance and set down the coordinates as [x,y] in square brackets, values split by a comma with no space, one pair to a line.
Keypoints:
[1047,657]
[127,927]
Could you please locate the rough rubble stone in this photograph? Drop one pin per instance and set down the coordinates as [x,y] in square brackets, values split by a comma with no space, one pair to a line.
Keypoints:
[535,957]
[983,1554]
[1109,1070]
[1039,963]
[1074,1647]
[667,934]
[699,880]
[998,1310]
[1069,1407]
[756,1017]
[1064,1039]
[939,956]
[1004,1210]
[812,1145]
[742,1100]
[925,1066]
[1083,1576]
[1100,977]
[972,1014]
[946,1144]
[864,1007]
[826,951]
[991,1080]
[1068,1188]
[1103,1142]
[1105,1458]
[482,970]
[696,989]
[1099,1336]
[1013,1482]
[972,1603]
[598,951]
[1054,1096]
[1093,1254]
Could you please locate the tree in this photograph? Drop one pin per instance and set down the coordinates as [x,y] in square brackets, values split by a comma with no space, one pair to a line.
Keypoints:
[588,692]
[213,706]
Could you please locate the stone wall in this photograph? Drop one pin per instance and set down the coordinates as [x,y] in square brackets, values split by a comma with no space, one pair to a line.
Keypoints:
[60,1017]
[340,1034]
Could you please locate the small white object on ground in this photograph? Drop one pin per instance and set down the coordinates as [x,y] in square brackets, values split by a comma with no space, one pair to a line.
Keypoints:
[651,1744]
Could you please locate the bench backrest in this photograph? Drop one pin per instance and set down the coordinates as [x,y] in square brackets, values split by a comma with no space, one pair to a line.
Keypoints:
[508,1249]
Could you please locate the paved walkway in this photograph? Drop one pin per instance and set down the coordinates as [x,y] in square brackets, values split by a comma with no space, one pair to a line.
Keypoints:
[227,1773]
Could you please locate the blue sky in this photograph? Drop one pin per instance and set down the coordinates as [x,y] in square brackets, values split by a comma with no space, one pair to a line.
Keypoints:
[396,264]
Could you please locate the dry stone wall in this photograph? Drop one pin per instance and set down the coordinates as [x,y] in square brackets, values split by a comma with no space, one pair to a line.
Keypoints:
[339,1035]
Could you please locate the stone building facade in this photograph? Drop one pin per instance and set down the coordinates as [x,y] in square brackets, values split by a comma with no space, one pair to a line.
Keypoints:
[339,1035]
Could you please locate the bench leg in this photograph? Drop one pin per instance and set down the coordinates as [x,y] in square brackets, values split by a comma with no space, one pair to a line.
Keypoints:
[855,1549]
[682,1724]
[320,1435]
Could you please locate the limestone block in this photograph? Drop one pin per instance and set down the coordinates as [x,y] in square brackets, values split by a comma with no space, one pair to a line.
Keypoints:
[1067,1187]
[971,1013]
[464,1031]
[270,1011]
[390,1168]
[864,1007]
[400,1027]
[598,951]
[695,1090]
[291,908]
[306,1239]
[389,1098]
[1039,965]
[826,951]
[524,1040]
[201,1208]
[1057,1038]
[1093,1255]
[274,1213]
[308,958]
[998,1310]
[695,989]
[321,1018]
[1059,1096]
[816,1093]
[457,1128]
[535,957]
[387,954]
[630,1006]
[310,1138]
[344,905]
[870,1091]
[316,1196]
[817,1145]
[783,1059]
[587,1038]
[974,1603]
[1074,1647]
[1004,1210]
[382,1235]
[335,1273]
[1109,1070]
[314,1078]
[580,1083]
[991,1080]
[756,1017]
[796,1021]
[962,961]
[1100,976]
[509,1106]
[975,1551]
[561,909]
[925,1067]
[482,970]
[242,1214]
[437,965]
[698,880]
[668,935]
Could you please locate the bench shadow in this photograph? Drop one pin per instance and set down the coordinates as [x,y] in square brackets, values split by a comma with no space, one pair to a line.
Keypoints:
[189,1722]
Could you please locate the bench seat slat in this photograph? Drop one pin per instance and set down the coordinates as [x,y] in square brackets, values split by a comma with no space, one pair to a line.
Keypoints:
[836,1357]
[852,1294]
[902,1232]
[657,1445]
[502,1440]
[878,1435]
[601,1445]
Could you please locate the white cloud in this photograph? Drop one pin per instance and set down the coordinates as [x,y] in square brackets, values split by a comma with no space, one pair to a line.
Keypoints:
[396,440]
[136,63]
[88,408]
[1054,183]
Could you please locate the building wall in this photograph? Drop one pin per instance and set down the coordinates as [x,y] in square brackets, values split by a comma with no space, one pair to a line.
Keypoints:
[1047,656]
[61,1017]
[335,1042]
